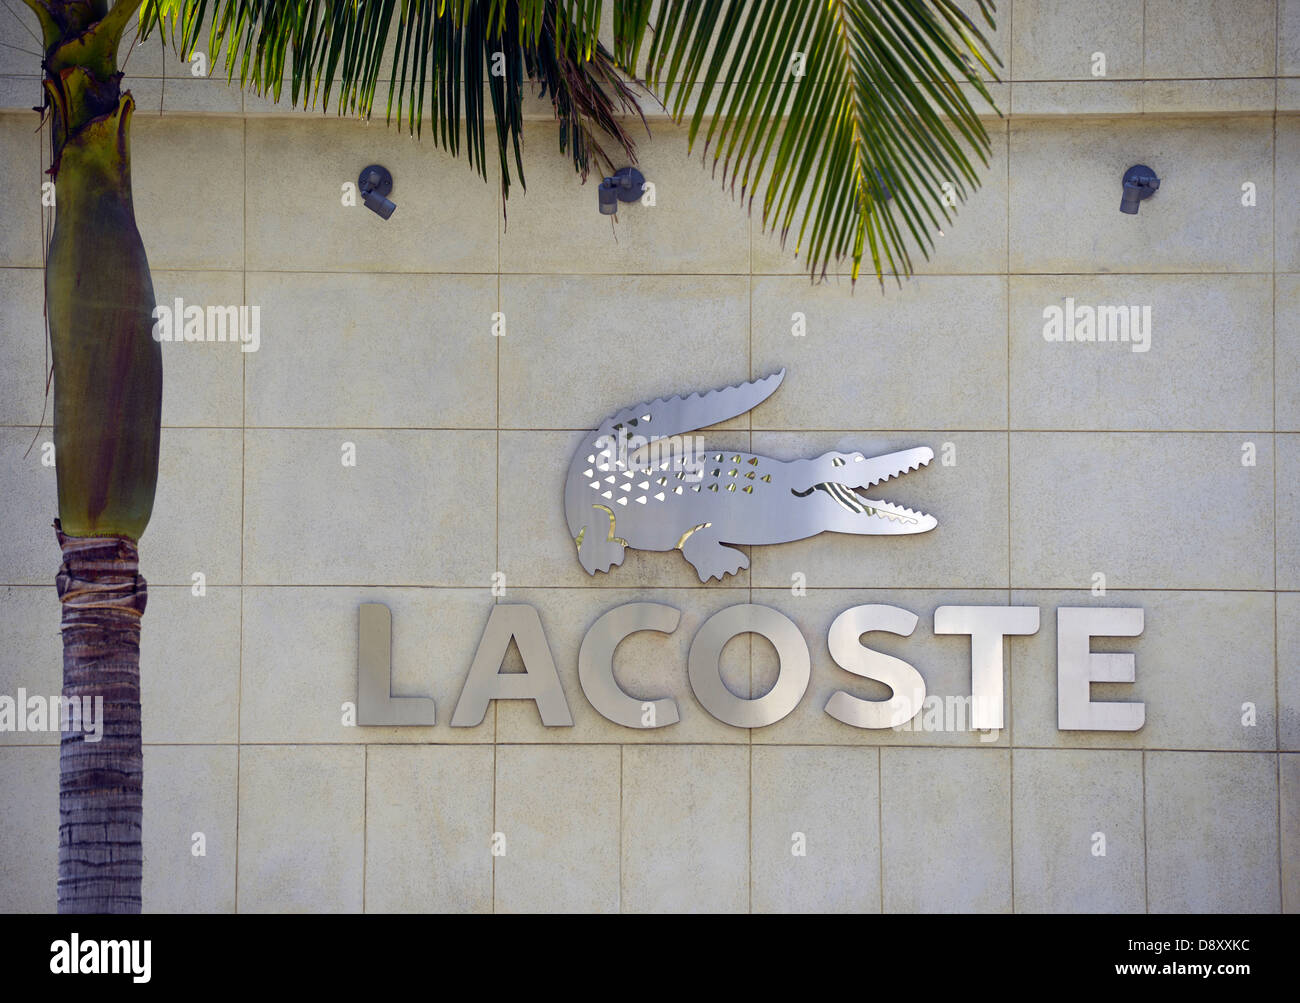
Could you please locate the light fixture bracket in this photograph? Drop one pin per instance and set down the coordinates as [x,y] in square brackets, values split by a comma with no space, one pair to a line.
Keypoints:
[375,178]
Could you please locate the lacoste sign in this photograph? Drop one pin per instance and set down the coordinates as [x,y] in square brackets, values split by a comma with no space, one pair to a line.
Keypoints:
[640,480]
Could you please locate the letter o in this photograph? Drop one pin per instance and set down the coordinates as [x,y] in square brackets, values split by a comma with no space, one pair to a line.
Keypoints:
[792,661]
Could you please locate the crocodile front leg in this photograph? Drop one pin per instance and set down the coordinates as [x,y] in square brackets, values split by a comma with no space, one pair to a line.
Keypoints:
[598,548]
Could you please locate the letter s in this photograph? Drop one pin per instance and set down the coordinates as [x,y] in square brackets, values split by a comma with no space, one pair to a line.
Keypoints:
[852,655]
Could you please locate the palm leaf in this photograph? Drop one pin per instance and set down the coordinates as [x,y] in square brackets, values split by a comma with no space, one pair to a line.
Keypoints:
[859,146]
[332,51]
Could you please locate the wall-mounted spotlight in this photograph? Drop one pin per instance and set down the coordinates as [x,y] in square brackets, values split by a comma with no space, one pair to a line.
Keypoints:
[1140,182]
[624,186]
[374,184]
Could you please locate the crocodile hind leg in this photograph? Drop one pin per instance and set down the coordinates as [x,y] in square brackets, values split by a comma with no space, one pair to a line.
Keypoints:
[598,548]
[710,557]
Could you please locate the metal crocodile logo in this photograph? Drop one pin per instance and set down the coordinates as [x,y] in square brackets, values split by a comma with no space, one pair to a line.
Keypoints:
[633,483]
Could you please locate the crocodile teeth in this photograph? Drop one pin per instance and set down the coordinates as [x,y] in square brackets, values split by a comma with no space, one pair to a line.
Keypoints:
[659,496]
[897,518]
[891,465]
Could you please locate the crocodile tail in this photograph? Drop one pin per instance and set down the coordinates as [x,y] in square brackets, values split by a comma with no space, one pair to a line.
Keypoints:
[657,419]
[676,415]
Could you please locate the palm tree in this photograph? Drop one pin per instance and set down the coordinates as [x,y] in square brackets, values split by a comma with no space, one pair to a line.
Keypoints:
[848,114]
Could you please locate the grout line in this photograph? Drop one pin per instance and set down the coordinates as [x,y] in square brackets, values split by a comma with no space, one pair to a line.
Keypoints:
[365,819]
[243,475]
[880,825]
[1146,876]
[1277,661]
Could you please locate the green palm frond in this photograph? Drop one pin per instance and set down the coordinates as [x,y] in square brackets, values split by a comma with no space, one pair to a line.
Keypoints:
[861,143]
[333,51]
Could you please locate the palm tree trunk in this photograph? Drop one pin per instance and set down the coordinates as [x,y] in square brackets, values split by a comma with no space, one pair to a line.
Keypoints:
[100,782]
[107,412]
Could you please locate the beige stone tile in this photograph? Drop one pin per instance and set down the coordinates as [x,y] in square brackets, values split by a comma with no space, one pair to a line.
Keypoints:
[685,821]
[32,655]
[189,661]
[535,547]
[562,358]
[831,797]
[20,94]
[1062,802]
[968,549]
[300,661]
[411,512]
[1208,96]
[1148,510]
[429,829]
[1212,832]
[932,354]
[1214,38]
[648,665]
[693,227]
[20,42]
[1288,39]
[973,240]
[23,155]
[198,96]
[1289,767]
[1076,97]
[1184,380]
[1059,39]
[944,662]
[1286,319]
[301,828]
[191,530]
[1288,670]
[24,351]
[1287,244]
[559,811]
[187,180]
[946,830]
[190,792]
[189,666]
[1194,223]
[445,220]
[29,552]
[196,512]
[1288,511]
[29,837]
[1201,657]
[373,350]
[203,381]
[1288,94]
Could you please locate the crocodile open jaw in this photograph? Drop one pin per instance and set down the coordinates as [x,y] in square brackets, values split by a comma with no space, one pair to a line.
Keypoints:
[864,472]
